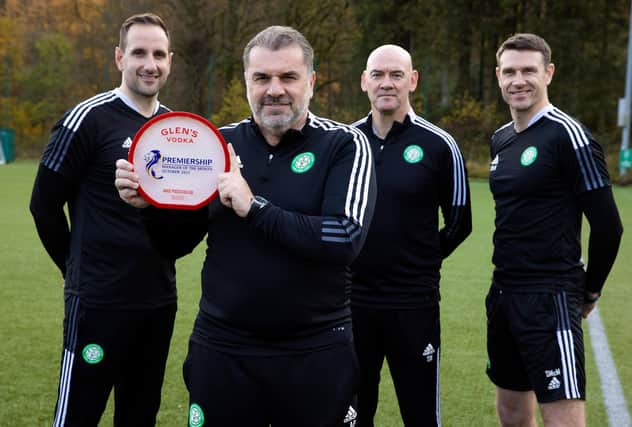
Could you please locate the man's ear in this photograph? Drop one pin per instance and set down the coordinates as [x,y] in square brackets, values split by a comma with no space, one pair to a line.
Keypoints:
[549,71]
[118,58]
[414,78]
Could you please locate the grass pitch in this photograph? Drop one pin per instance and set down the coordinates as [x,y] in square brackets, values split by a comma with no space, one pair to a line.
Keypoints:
[31,314]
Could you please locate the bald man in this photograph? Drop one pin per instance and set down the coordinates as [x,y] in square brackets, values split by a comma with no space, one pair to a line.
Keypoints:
[395,287]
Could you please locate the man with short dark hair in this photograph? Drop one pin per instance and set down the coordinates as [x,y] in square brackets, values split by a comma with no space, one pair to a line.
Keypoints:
[272,342]
[395,292]
[547,171]
[120,294]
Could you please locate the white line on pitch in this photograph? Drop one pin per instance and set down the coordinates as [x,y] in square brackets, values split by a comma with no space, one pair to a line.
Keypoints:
[614,399]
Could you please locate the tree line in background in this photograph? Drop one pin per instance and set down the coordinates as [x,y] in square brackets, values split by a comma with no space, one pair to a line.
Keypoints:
[54,53]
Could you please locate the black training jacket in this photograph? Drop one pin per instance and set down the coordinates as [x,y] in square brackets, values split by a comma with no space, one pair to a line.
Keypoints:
[279,279]
[420,171]
[104,253]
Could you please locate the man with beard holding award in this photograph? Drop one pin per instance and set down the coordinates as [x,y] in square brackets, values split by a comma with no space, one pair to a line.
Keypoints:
[120,294]
[272,343]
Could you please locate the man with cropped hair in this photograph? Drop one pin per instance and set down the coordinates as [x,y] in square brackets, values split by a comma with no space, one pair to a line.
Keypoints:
[120,293]
[546,173]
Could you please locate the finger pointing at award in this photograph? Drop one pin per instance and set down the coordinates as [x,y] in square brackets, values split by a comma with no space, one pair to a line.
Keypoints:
[233,189]
[235,161]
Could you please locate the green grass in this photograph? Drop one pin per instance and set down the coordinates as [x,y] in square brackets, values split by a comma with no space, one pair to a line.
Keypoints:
[31,314]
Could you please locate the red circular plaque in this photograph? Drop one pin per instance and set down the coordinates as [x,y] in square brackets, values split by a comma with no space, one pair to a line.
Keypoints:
[178,156]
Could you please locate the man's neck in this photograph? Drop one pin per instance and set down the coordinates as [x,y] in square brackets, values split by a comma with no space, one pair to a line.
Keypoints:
[522,119]
[145,105]
[273,137]
[383,123]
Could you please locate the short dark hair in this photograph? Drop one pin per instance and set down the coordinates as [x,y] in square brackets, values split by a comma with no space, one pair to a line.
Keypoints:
[141,18]
[277,37]
[526,41]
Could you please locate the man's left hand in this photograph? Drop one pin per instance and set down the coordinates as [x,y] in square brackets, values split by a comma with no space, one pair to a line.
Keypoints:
[234,191]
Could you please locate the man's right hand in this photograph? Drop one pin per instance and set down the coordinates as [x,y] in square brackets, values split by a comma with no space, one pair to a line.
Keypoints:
[127,183]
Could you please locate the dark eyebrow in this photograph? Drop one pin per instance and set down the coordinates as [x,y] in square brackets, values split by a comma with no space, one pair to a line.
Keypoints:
[513,69]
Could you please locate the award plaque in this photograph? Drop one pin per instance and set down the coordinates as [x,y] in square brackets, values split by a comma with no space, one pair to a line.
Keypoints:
[178,156]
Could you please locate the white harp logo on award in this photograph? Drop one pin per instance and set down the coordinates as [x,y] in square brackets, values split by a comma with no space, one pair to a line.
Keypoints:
[494,164]
[152,164]
[127,143]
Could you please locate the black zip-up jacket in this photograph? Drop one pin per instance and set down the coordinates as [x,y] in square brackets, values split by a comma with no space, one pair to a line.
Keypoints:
[279,279]
[105,254]
[420,170]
